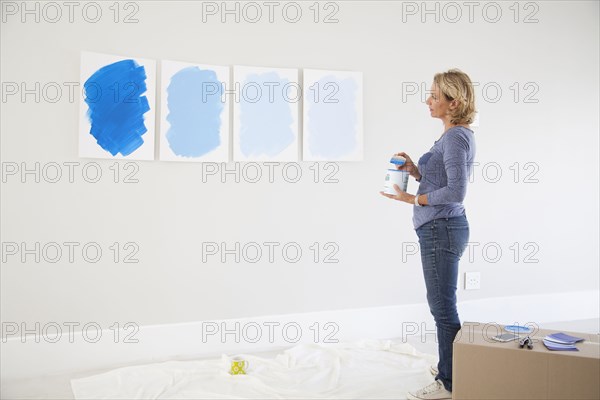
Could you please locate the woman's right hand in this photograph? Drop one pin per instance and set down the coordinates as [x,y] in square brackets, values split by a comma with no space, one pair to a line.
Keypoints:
[409,166]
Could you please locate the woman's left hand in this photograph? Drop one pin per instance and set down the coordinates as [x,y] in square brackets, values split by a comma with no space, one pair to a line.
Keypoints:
[400,195]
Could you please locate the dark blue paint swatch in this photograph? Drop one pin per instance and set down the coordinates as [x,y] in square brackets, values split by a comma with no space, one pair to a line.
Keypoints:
[195,107]
[117,107]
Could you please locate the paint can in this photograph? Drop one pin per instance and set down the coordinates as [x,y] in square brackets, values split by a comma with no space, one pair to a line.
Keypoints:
[395,176]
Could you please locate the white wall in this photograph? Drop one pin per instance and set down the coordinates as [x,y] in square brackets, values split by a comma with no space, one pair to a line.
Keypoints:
[170,211]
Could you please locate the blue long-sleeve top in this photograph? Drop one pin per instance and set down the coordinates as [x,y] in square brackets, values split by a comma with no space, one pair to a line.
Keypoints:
[445,171]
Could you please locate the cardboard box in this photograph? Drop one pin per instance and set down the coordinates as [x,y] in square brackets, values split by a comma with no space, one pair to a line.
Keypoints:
[486,369]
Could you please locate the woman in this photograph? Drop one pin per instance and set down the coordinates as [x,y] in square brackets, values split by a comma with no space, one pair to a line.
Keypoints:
[439,215]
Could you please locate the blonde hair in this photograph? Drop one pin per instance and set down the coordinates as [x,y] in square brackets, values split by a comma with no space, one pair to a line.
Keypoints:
[456,85]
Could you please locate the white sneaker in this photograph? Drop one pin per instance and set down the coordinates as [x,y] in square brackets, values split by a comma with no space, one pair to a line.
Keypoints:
[434,370]
[435,391]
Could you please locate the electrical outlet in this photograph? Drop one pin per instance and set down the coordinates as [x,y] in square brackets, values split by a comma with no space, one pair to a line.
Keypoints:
[472,280]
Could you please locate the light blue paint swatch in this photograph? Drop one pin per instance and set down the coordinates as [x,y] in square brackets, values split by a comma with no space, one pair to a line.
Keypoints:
[332,118]
[195,107]
[265,118]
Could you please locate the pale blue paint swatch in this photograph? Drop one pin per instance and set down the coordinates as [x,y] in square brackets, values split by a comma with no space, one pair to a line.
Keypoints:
[265,121]
[332,116]
[194,112]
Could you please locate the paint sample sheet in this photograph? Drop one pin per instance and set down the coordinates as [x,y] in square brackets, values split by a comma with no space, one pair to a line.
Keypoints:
[194,124]
[265,114]
[116,117]
[332,116]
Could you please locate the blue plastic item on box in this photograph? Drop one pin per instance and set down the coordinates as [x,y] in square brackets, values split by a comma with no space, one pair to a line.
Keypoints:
[518,329]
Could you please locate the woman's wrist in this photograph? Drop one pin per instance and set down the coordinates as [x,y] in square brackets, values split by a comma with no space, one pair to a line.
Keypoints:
[416,201]
[420,200]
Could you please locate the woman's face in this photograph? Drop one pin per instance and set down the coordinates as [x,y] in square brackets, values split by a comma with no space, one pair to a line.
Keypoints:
[438,105]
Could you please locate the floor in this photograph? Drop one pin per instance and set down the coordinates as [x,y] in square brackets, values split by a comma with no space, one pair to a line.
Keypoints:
[58,387]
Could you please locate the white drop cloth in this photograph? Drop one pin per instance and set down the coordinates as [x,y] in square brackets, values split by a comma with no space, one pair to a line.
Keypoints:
[365,369]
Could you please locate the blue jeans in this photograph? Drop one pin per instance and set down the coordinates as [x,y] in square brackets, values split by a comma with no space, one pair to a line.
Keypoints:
[442,243]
